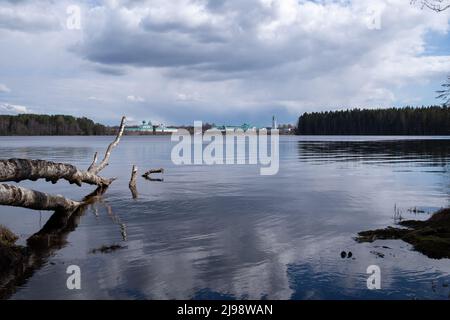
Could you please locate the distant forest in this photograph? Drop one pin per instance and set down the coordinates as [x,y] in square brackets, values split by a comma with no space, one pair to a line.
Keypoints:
[39,125]
[434,120]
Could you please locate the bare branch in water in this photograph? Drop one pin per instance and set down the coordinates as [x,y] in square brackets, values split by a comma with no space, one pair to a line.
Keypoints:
[153,179]
[94,162]
[96,169]
[132,183]
[18,263]
[151,171]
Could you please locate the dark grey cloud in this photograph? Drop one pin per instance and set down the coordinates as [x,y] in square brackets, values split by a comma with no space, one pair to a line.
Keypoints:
[222,39]
[227,39]
[202,34]
[110,70]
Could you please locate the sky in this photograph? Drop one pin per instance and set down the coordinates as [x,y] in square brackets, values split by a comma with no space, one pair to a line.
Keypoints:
[220,61]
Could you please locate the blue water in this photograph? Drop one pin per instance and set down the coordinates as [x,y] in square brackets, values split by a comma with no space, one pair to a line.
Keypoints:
[225,231]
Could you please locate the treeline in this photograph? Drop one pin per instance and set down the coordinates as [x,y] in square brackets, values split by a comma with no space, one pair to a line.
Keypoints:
[433,120]
[40,125]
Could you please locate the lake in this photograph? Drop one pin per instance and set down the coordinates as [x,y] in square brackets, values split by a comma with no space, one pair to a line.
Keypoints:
[225,231]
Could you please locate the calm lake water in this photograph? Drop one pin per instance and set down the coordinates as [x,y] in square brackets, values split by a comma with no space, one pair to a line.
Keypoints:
[209,232]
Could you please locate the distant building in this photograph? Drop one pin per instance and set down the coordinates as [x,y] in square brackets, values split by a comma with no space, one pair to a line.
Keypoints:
[226,128]
[246,127]
[274,123]
[163,129]
[148,127]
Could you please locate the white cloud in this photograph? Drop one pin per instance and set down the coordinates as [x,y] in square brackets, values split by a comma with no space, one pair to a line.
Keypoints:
[93,98]
[12,108]
[4,88]
[135,98]
[187,97]
[24,17]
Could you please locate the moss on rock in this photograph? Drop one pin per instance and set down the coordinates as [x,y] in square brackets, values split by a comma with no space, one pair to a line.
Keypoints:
[430,237]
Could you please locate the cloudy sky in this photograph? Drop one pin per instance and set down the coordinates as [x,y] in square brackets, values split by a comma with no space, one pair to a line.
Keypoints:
[222,61]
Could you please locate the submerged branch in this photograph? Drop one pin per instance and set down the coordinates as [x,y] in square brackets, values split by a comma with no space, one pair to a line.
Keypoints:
[153,179]
[151,171]
[52,234]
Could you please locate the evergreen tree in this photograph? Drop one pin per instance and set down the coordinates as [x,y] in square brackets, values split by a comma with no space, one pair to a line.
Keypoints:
[34,124]
[434,120]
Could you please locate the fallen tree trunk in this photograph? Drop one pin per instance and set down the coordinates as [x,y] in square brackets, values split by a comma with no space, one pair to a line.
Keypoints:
[17,263]
[151,171]
[23,169]
[21,197]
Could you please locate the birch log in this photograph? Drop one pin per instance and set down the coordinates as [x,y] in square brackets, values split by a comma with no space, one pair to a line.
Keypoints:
[24,169]
[21,197]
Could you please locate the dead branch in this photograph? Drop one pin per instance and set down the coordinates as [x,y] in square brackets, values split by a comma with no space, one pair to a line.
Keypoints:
[132,183]
[151,171]
[94,162]
[24,169]
[21,197]
[96,169]
[435,5]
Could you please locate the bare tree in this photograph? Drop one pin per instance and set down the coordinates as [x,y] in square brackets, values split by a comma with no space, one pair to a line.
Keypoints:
[435,5]
[438,6]
[444,94]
